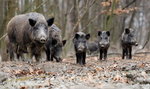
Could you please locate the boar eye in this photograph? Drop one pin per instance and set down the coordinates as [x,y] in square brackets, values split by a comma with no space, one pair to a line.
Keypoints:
[35,28]
[106,38]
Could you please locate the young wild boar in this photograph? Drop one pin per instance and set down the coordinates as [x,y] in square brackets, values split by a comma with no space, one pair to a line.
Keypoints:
[80,45]
[54,44]
[127,41]
[29,31]
[103,43]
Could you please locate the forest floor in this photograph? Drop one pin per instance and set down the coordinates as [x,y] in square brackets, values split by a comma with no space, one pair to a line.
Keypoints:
[114,73]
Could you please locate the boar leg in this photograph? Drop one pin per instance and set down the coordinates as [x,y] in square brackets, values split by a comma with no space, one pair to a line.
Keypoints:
[37,57]
[17,52]
[130,52]
[80,58]
[77,58]
[48,54]
[84,57]
[58,59]
[127,53]
[101,54]
[11,54]
[52,58]
[123,53]
[105,54]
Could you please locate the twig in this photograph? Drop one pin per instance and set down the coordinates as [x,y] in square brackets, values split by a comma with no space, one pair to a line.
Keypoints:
[83,15]
[29,6]
[91,20]
[3,36]
[129,4]
[35,8]
[40,5]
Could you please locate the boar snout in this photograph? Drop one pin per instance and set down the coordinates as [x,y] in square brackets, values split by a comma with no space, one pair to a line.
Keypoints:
[81,47]
[136,44]
[43,39]
[102,45]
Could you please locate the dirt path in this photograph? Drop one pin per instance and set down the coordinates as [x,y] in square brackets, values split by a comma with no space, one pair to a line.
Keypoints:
[114,73]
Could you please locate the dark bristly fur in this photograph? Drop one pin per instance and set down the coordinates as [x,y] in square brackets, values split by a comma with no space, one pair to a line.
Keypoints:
[80,45]
[54,44]
[127,41]
[103,43]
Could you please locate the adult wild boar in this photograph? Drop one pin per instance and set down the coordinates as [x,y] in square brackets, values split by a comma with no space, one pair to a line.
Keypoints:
[103,43]
[29,31]
[54,44]
[80,46]
[127,41]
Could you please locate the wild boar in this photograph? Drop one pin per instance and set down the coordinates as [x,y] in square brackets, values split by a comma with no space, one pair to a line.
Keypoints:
[127,41]
[103,43]
[80,46]
[54,44]
[29,31]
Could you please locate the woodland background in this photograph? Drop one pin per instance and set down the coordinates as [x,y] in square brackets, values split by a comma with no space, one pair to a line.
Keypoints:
[88,16]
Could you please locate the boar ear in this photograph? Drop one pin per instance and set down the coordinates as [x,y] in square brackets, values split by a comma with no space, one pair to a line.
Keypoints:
[64,42]
[76,36]
[108,33]
[87,36]
[54,42]
[99,33]
[127,30]
[50,21]
[32,22]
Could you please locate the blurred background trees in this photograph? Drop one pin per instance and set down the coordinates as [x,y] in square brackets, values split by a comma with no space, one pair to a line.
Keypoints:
[88,16]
